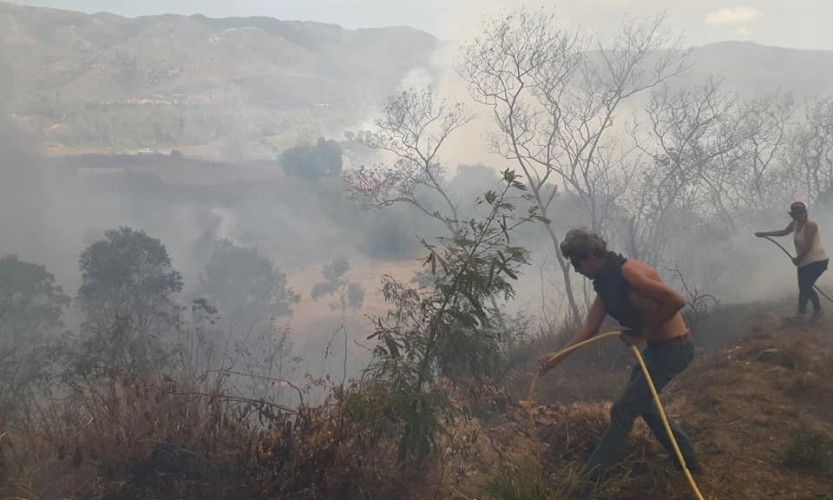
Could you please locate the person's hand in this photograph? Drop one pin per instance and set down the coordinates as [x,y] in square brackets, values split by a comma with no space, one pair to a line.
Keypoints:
[630,337]
[795,261]
[759,234]
[544,364]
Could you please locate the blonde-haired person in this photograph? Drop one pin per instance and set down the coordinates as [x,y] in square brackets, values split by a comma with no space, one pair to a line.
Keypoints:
[811,259]
[635,295]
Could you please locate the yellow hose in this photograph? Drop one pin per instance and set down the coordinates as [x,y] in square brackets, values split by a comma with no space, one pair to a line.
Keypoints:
[556,357]
[553,359]
[665,423]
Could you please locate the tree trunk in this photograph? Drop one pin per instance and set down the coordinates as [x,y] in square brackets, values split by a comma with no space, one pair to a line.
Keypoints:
[565,272]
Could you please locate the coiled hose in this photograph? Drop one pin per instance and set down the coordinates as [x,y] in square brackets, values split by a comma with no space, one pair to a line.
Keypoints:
[557,357]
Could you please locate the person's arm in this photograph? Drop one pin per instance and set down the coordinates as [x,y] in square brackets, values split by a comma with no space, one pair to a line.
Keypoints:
[589,328]
[787,230]
[669,301]
[810,230]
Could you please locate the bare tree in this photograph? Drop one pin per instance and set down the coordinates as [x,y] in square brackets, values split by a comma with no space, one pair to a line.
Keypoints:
[691,146]
[764,125]
[809,156]
[413,128]
[554,102]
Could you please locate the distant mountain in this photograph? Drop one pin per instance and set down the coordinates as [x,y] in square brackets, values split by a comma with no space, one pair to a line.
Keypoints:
[248,87]
[256,72]
[752,69]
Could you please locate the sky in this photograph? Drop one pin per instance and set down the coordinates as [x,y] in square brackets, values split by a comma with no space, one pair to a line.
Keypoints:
[802,24]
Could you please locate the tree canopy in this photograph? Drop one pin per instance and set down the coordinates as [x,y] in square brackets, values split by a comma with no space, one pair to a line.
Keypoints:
[313,161]
[127,276]
[245,286]
[31,304]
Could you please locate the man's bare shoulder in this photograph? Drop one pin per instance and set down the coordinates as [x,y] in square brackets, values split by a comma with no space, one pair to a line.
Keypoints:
[636,268]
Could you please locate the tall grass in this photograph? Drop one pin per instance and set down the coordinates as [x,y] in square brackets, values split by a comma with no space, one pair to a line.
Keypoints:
[138,438]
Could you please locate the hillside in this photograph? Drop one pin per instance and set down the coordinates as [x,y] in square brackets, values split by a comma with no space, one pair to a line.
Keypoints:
[238,88]
[752,69]
[95,80]
[760,411]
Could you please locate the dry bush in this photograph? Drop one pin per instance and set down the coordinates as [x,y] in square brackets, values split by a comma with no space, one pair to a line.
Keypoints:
[133,438]
[344,447]
[570,430]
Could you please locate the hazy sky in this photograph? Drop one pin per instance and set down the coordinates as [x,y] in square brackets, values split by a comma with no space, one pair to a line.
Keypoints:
[786,23]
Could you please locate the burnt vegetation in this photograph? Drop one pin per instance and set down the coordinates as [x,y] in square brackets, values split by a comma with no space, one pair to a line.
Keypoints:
[140,386]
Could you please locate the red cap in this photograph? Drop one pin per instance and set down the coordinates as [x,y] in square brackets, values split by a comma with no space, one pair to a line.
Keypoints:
[798,207]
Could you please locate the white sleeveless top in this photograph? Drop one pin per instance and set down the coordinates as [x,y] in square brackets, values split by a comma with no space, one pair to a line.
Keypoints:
[816,252]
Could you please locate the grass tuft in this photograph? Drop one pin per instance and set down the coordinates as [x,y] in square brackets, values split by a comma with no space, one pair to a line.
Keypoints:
[809,450]
[522,481]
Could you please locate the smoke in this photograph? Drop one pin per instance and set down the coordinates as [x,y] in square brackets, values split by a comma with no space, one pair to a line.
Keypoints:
[56,207]
[24,194]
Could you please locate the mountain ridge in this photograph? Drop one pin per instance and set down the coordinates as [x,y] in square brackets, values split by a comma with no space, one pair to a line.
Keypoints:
[258,84]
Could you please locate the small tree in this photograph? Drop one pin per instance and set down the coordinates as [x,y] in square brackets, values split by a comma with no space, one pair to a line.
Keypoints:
[313,161]
[763,123]
[245,286]
[348,294]
[693,159]
[420,336]
[810,151]
[31,304]
[413,128]
[128,297]
[247,293]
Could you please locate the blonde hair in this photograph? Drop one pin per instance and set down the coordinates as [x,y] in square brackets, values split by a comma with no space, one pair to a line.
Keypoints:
[581,242]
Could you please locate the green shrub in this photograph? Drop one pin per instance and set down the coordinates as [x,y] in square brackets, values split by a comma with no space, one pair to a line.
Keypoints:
[809,450]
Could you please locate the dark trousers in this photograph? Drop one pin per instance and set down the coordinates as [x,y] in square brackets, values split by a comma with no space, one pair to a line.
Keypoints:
[807,276]
[664,361]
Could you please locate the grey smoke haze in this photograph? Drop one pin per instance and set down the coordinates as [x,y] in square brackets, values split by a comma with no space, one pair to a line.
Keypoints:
[55,205]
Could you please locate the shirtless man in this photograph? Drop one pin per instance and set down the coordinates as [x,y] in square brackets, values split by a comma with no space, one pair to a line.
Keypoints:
[633,293]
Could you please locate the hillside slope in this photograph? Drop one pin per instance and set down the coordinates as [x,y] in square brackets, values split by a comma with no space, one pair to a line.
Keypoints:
[249,87]
[104,57]
[103,80]
[761,414]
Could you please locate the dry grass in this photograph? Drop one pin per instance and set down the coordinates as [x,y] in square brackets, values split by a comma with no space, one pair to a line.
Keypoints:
[741,408]
[163,439]
[128,438]
[158,439]
[748,405]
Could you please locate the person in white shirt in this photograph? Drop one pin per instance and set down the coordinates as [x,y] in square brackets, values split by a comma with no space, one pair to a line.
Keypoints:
[811,258]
